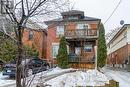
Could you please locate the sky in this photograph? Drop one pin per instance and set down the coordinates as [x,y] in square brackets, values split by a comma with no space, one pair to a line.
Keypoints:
[103,8]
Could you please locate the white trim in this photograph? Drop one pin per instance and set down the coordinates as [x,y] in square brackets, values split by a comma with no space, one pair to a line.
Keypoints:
[54,44]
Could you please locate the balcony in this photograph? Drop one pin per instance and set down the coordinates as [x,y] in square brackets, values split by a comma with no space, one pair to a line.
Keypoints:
[81,33]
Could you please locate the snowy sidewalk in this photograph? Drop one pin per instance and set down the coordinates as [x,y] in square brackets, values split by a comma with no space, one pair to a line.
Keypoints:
[122,77]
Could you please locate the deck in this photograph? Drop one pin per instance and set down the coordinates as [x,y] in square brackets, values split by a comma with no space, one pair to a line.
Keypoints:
[81,33]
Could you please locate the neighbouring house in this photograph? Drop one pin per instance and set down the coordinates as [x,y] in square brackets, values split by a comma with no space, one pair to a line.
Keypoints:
[118,48]
[81,33]
[36,37]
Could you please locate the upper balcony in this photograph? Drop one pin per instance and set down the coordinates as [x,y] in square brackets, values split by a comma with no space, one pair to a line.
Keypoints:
[81,33]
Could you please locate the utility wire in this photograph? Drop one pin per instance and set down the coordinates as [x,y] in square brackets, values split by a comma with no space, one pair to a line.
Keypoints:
[113,12]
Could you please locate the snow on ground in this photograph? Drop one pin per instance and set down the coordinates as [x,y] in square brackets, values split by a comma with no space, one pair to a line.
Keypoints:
[5,80]
[79,78]
[123,77]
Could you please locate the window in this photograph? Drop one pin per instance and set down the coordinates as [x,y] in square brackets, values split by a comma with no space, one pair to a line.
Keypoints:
[82,26]
[78,50]
[73,17]
[30,36]
[55,50]
[88,48]
[60,31]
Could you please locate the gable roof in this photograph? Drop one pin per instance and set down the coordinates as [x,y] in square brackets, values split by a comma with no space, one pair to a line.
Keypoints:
[34,26]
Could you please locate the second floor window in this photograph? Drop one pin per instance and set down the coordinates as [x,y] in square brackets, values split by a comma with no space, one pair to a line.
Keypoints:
[30,36]
[60,31]
[82,26]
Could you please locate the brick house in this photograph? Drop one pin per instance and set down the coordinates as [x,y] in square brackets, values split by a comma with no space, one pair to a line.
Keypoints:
[118,48]
[36,37]
[81,33]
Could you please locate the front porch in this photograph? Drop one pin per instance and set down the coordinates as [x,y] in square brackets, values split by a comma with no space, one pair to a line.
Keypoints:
[82,54]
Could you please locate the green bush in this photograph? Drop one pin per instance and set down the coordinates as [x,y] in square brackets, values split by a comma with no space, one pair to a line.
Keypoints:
[102,49]
[62,57]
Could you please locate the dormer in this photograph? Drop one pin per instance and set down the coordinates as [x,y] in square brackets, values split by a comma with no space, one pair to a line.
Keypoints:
[73,15]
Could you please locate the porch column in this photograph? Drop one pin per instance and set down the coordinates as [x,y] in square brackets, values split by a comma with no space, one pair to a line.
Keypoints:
[95,48]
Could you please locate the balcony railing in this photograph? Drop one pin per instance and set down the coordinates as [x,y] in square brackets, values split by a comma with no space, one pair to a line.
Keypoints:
[81,59]
[81,33]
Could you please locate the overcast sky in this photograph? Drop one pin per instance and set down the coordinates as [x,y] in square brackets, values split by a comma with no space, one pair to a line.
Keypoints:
[103,8]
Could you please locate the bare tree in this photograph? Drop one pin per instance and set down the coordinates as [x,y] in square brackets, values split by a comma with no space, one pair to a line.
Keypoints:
[111,34]
[19,12]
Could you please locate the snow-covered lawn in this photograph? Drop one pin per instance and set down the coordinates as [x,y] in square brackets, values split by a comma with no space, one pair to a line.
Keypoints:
[79,78]
[5,80]
[62,78]
[122,77]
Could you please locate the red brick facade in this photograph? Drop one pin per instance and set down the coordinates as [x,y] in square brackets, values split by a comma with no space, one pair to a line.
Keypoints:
[38,41]
[71,26]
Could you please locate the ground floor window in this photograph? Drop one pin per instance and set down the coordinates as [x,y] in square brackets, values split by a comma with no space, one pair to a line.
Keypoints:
[78,50]
[55,50]
[88,48]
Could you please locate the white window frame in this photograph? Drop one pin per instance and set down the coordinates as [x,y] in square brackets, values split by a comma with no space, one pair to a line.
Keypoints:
[60,31]
[55,50]
[82,26]
[57,44]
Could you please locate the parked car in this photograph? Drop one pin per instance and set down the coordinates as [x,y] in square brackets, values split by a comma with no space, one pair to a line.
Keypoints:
[29,67]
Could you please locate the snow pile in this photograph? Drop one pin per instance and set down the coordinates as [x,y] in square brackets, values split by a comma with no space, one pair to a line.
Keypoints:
[79,78]
[6,81]
[40,77]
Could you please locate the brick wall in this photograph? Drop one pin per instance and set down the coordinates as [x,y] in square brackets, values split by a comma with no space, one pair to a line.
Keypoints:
[39,41]
[51,37]
[118,56]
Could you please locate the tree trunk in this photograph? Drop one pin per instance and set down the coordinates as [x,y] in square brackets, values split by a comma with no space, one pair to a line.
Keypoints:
[19,58]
